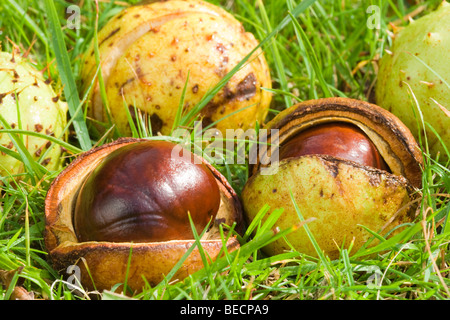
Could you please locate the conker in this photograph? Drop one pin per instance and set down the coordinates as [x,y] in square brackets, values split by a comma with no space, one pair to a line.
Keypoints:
[142,193]
[104,264]
[331,174]
[338,139]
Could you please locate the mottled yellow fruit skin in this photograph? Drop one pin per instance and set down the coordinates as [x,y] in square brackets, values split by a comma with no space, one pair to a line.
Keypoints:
[428,39]
[147,52]
[337,195]
[23,87]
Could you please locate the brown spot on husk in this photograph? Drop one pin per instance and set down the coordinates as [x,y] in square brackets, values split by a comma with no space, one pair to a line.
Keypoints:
[156,123]
[206,121]
[332,166]
[38,127]
[246,89]
[374,179]
[109,36]
[124,84]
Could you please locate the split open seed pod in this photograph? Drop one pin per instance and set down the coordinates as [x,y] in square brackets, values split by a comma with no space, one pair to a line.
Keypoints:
[110,211]
[336,190]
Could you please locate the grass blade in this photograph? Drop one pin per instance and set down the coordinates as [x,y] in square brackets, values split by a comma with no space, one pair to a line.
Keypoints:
[66,75]
[28,21]
[62,143]
[312,57]
[278,62]
[319,252]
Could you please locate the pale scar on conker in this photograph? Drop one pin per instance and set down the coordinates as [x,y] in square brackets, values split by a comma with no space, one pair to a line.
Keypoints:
[143,193]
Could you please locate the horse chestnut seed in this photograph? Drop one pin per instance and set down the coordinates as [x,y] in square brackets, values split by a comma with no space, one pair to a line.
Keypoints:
[143,193]
[336,139]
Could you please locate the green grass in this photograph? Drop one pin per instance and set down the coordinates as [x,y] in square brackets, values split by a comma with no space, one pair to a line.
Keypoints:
[315,49]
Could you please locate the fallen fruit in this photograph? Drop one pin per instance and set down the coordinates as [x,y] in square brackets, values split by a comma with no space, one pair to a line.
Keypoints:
[418,68]
[106,262]
[335,194]
[148,52]
[28,102]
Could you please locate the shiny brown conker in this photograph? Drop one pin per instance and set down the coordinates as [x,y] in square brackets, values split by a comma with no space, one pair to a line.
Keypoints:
[143,193]
[338,139]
